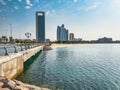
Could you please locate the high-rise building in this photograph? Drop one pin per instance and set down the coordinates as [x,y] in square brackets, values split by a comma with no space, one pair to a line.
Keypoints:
[71,37]
[62,33]
[40,26]
[59,38]
[65,35]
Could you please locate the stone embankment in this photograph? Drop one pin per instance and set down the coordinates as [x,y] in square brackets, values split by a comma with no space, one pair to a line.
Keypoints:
[6,84]
[13,64]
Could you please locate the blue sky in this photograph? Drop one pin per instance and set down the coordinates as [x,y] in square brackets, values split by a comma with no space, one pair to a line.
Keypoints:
[87,19]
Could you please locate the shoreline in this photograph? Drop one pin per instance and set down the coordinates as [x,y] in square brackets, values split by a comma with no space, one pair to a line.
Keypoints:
[63,45]
[6,84]
[59,45]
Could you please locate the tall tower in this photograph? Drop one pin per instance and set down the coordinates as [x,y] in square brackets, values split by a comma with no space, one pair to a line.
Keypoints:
[71,38]
[58,33]
[62,33]
[40,26]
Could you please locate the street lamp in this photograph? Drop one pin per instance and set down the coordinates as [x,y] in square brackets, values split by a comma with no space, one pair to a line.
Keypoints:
[28,35]
[11,39]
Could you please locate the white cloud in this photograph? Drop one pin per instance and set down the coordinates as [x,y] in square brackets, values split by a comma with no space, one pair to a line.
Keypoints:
[19,0]
[91,7]
[53,11]
[75,1]
[94,6]
[37,1]
[50,13]
[29,3]
[2,2]
[27,7]
[16,7]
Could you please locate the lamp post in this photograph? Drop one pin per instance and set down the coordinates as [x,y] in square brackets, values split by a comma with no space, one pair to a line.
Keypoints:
[11,39]
[28,35]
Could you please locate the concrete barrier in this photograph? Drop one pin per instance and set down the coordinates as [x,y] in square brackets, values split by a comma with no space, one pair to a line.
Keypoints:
[12,65]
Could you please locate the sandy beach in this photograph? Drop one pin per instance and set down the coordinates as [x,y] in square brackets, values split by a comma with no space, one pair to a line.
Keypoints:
[63,45]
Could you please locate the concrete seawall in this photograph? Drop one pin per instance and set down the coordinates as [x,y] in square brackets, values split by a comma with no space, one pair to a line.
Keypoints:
[12,65]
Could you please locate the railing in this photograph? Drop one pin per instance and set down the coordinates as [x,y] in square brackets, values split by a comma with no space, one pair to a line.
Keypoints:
[6,50]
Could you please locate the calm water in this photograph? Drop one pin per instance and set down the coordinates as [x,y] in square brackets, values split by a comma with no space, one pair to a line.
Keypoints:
[84,67]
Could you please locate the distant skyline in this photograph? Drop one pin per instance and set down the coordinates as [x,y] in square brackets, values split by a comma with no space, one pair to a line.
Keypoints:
[62,33]
[87,19]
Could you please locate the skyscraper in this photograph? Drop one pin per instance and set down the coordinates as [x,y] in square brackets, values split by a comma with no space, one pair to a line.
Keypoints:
[66,35]
[62,33]
[40,26]
[71,37]
[59,38]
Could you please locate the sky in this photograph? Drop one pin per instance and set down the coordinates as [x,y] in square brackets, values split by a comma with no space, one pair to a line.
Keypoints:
[87,19]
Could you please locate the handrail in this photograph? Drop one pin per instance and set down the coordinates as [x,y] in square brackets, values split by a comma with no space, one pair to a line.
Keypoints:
[6,50]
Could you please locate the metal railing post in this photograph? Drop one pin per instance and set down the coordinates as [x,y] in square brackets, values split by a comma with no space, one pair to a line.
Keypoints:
[15,50]
[25,47]
[21,48]
[6,51]
[28,47]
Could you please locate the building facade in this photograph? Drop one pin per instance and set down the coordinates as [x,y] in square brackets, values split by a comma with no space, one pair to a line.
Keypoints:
[62,33]
[59,38]
[3,39]
[40,26]
[104,40]
[71,37]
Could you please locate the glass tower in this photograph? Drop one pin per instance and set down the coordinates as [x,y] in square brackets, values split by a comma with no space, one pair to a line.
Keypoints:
[62,33]
[40,26]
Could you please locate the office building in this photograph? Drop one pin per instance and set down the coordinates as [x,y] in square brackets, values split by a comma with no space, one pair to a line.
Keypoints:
[47,40]
[40,26]
[62,33]
[71,37]
[59,38]
[3,39]
[104,40]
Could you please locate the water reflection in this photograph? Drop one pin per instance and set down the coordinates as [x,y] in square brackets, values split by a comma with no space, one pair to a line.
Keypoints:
[85,67]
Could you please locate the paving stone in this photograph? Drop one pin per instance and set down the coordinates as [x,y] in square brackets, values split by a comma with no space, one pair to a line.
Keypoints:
[4,88]
[1,84]
[12,84]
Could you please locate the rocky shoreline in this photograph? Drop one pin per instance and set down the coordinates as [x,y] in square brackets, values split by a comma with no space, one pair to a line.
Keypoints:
[47,47]
[6,84]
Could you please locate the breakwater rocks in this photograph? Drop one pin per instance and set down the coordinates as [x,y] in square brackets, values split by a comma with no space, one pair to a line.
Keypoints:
[47,47]
[6,84]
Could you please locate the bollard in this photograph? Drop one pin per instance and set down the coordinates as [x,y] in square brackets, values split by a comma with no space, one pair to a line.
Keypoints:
[6,51]
[28,47]
[15,50]
[21,48]
[25,47]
